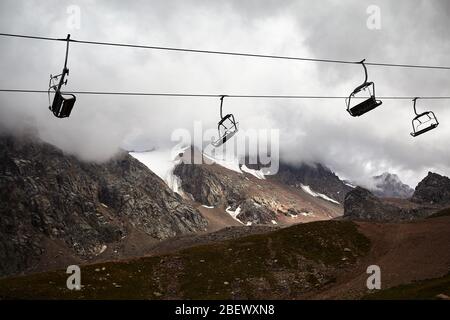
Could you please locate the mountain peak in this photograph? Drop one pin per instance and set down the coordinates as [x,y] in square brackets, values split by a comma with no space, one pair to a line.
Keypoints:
[315,175]
[389,185]
[53,199]
[434,188]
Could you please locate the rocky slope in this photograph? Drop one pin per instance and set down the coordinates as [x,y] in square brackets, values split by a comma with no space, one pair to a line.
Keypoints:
[361,204]
[283,264]
[388,185]
[49,199]
[319,260]
[317,176]
[249,199]
[434,189]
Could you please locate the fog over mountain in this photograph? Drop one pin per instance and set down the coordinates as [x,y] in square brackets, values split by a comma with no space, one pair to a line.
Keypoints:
[310,130]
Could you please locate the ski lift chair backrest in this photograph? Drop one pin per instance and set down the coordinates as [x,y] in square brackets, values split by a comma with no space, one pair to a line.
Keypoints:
[365,106]
[416,122]
[62,104]
[368,104]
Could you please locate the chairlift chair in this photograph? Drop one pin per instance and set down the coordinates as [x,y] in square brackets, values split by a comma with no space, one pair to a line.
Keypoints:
[62,104]
[368,104]
[227,127]
[423,122]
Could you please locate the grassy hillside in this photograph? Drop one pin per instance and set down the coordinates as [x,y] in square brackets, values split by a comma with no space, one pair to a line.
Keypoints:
[441,213]
[281,264]
[425,289]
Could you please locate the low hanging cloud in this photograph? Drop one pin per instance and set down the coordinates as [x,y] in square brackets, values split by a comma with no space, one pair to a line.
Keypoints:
[310,130]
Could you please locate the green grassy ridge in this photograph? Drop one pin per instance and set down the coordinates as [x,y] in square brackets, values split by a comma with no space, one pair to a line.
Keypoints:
[280,264]
[420,290]
[442,213]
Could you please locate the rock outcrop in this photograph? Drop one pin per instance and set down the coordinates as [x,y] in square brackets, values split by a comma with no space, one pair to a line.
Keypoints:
[210,187]
[48,195]
[433,189]
[255,213]
[361,204]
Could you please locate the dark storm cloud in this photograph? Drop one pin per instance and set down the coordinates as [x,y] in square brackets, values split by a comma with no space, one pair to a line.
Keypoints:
[411,32]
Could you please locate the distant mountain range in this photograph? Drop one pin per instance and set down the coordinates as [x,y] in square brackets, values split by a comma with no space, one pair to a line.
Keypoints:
[55,208]
[222,229]
[431,195]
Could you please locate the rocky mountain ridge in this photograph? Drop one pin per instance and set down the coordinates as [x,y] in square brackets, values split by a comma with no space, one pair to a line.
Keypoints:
[47,196]
[317,176]
[433,189]
[251,199]
[432,194]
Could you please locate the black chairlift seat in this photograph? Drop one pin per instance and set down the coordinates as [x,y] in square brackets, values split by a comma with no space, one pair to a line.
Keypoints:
[227,127]
[423,122]
[62,104]
[365,106]
[368,104]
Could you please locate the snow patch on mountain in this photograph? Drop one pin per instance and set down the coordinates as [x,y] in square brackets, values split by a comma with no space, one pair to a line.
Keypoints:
[228,163]
[162,163]
[232,163]
[349,184]
[257,173]
[234,214]
[308,190]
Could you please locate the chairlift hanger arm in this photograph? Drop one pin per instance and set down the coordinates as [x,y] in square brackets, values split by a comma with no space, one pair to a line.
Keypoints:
[65,70]
[365,71]
[414,105]
[221,105]
[365,84]
[67,52]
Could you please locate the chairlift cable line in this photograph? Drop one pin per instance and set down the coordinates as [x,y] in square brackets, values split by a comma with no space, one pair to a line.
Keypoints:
[168,94]
[243,54]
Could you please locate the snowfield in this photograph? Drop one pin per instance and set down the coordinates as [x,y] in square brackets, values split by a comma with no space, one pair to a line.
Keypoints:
[234,214]
[162,163]
[308,190]
[256,173]
[349,185]
[233,164]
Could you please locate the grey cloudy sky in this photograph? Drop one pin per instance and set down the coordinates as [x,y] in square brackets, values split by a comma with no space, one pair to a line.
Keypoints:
[412,31]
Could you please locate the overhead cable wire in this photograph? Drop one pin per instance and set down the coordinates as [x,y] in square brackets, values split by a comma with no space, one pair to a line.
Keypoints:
[206,95]
[230,53]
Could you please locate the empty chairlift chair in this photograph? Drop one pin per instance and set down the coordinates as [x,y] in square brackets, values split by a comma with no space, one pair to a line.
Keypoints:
[368,104]
[227,127]
[423,122]
[62,104]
